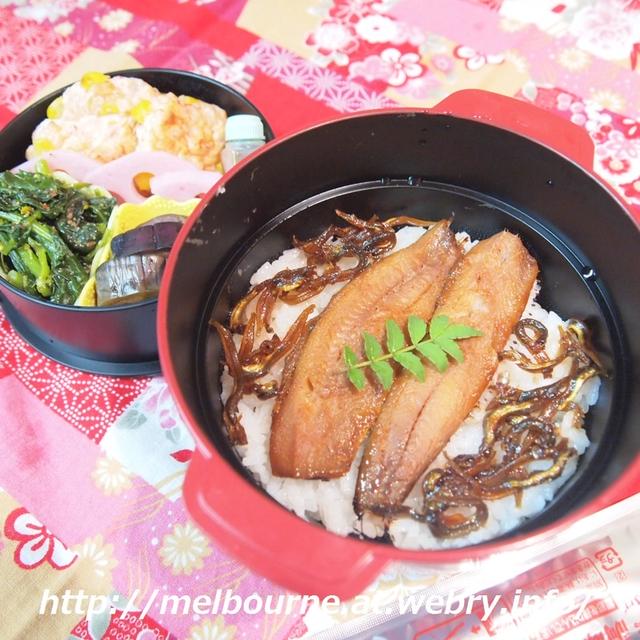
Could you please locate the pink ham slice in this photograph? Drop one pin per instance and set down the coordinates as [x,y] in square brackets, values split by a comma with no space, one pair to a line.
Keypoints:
[78,166]
[173,177]
[183,185]
[117,176]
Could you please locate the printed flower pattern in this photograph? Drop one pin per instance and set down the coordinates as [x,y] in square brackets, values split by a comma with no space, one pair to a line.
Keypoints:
[372,68]
[111,477]
[376,29]
[223,68]
[473,60]
[629,127]
[616,166]
[375,48]
[36,544]
[616,138]
[120,626]
[334,41]
[215,629]
[549,15]
[184,549]
[425,87]
[442,63]
[401,66]
[617,145]
[391,66]
[632,190]
[323,84]
[115,20]
[608,99]
[350,10]
[90,403]
[49,10]
[98,555]
[606,30]
[574,59]
[161,405]
[126,46]
[64,29]
[584,114]
[31,55]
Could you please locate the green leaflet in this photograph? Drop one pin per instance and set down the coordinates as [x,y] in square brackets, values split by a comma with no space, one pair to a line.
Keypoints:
[395,337]
[450,347]
[435,355]
[372,347]
[383,371]
[350,358]
[437,326]
[357,378]
[417,329]
[435,350]
[458,331]
[411,363]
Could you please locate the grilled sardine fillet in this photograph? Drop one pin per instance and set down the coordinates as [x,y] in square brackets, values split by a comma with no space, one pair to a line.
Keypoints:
[488,290]
[320,419]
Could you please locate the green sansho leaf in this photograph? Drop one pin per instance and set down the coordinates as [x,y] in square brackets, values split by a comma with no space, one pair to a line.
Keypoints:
[384,373]
[411,363]
[437,325]
[350,357]
[434,354]
[457,331]
[395,337]
[451,348]
[436,350]
[417,329]
[372,347]
[357,378]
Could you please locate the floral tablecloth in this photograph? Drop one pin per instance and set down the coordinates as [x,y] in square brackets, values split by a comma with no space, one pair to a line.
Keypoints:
[91,467]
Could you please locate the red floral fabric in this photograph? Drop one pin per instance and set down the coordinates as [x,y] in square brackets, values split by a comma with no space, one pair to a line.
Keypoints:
[92,467]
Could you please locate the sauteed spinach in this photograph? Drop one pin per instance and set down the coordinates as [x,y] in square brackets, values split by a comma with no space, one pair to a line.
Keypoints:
[49,229]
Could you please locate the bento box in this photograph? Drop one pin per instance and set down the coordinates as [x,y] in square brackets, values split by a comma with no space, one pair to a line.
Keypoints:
[119,338]
[494,168]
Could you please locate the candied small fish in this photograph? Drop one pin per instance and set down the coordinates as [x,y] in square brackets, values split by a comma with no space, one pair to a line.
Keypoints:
[320,419]
[488,290]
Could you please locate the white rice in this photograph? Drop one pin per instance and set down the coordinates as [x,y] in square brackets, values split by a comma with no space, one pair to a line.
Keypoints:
[331,502]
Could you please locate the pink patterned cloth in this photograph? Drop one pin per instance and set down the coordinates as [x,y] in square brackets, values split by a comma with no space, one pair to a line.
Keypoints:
[92,467]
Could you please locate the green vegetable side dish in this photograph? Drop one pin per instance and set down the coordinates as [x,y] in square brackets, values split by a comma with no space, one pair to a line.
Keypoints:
[436,349]
[49,229]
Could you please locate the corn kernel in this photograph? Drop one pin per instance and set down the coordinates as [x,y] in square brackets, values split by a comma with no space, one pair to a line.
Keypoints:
[43,145]
[54,110]
[93,77]
[189,100]
[141,111]
[108,108]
